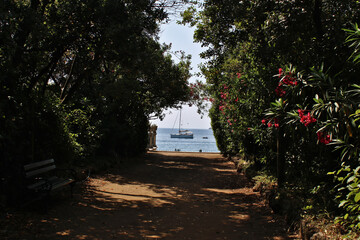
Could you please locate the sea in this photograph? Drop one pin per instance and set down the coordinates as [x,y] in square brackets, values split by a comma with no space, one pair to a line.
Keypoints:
[203,141]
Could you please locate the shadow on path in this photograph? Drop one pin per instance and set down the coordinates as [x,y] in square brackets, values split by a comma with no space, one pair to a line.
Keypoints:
[171,195]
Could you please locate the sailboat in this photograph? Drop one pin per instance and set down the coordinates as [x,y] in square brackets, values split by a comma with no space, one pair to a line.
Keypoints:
[182,133]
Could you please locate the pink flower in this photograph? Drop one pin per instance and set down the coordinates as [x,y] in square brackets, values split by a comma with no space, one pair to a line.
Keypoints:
[323,139]
[263,122]
[269,124]
[238,75]
[280,71]
[290,81]
[301,113]
[279,91]
[276,123]
[306,119]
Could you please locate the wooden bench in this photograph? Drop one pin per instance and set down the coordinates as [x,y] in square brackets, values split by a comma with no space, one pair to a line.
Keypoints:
[40,179]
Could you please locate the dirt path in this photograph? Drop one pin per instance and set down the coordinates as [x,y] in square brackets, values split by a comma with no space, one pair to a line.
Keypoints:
[170,196]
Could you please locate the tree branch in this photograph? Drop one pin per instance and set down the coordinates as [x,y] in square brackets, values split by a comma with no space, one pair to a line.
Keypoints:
[67,79]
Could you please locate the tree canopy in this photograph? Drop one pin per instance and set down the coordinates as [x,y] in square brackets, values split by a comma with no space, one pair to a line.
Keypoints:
[80,78]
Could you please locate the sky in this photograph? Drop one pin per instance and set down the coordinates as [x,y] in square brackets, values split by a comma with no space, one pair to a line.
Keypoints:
[181,38]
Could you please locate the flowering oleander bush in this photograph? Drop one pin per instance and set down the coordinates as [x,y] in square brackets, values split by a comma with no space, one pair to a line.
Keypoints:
[332,115]
[296,125]
[306,131]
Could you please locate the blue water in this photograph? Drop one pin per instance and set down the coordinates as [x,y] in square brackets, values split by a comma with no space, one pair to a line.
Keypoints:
[165,143]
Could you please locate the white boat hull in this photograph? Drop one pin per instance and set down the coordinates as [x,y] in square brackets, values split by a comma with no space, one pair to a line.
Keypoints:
[182,136]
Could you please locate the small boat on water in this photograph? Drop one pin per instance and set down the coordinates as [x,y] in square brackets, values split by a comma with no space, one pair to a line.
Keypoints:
[205,137]
[182,133]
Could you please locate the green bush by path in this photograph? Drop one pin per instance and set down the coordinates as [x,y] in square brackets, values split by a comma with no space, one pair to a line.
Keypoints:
[283,90]
[82,78]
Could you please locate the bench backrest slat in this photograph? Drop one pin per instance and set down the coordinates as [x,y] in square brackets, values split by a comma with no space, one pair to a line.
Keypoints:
[38,164]
[40,170]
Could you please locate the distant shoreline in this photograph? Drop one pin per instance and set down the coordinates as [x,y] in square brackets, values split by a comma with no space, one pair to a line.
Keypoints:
[187,128]
[176,152]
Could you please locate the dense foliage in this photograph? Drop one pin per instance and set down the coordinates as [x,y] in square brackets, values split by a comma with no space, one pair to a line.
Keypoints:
[287,121]
[81,78]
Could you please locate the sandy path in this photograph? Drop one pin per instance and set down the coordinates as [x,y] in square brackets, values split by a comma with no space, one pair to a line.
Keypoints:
[170,196]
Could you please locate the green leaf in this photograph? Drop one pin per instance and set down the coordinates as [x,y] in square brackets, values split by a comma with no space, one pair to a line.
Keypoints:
[357,197]
[351,179]
[354,208]
[358,225]
[342,203]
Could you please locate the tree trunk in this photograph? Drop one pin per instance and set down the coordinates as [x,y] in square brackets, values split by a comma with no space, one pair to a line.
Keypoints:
[280,164]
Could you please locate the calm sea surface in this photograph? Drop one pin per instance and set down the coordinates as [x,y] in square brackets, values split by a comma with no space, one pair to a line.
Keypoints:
[203,140]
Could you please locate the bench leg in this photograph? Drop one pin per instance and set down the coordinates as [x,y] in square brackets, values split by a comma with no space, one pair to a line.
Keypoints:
[71,189]
[45,198]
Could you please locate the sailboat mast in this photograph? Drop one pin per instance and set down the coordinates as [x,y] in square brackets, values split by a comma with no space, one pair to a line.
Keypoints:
[180,121]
